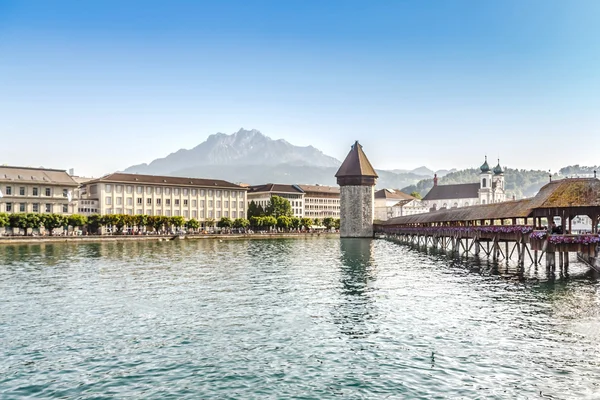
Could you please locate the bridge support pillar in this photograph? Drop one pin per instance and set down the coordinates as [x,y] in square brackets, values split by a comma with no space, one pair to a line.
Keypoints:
[566,259]
[477,247]
[550,260]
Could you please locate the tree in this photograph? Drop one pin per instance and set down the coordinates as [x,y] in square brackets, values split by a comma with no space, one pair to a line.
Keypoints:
[416,195]
[306,222]
[284,222]
[336,223]
[225,222]
[156,222]
[328,222]
[317,222]
[52,221]
[95,222]
[209,222]
[24,221]
[76,220]
[177,221]
[255,210]
[241,223]
[141,220]
[278,206]
[192,224]
[269,221]
[4,222]
[296,222]
[256,222]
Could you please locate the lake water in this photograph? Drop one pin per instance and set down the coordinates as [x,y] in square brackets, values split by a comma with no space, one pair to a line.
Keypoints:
[296,318]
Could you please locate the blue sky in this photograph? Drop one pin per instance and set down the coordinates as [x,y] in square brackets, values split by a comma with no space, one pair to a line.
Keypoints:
[101,85]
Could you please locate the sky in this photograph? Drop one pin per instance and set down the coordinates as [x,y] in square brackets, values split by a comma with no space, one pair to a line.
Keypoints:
[102,85]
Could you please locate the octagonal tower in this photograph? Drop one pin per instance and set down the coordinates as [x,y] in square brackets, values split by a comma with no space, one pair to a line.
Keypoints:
[356,178]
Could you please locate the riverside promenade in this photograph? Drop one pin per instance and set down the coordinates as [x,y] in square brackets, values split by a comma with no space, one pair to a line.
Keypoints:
[514,229]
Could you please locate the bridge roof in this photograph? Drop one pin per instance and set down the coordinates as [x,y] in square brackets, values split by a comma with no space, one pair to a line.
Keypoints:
[565,193]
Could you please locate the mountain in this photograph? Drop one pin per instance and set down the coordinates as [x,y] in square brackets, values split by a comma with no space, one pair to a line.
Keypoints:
[243,148]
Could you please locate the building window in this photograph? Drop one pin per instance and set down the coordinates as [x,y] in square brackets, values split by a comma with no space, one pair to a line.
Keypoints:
[158,202]
[218,203]
[202,192]
[8,191]
[129,201]
[484,182]
[119,201]
[185,192]
[149,202]
[201,203]
[177,213]
[21,191]
[148,190]
[148,212]
[48,208]
[210,203]
[226,204]
[8,207]
[194,214]
[241,204]
[176,202]
[65,208]
[139,211]
[118,211]
[119,188]
[108,200]
[36,207]
[234,214]
[176,191]
[226,213]
[140,200]
[168,202]
[210,193]
[194,203]
[218,214]
[158,212]
[35,192]
[210,214]
[109,210]
[157,190]
[22,207]
[129,189]
[167,191]
[194,192]
[107,188]
[241,214]
[168,213]
[139,190]
[186,214]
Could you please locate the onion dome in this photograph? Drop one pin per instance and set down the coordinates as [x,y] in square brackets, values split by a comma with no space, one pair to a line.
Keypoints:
[485,167]
[498,169]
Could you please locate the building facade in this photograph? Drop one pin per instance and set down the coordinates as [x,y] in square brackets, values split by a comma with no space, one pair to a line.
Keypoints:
[321,201]
[135,194]
[261,195]
[490,189]
[36,190]
[390,203]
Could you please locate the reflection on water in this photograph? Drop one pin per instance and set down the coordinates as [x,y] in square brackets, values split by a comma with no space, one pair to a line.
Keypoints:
[302,318]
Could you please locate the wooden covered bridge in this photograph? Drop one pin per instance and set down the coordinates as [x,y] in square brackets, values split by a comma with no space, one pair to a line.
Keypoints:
[521,229]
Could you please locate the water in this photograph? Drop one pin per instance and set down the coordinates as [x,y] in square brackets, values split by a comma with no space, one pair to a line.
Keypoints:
[314,318]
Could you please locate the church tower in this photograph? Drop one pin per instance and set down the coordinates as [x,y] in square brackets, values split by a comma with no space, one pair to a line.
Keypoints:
[499,193]
[356,178]
[485,184]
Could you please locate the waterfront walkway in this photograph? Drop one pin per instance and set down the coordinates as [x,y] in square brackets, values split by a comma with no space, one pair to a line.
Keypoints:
[522,228]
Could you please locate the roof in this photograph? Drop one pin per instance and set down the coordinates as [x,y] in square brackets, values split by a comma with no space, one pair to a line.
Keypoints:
[275,187]
[485,167]
[458,191]
[120,177]
[570,192]
[356,164]
[507,209]
[565,193]
[320,189]
[392,194]
[403,202]
[33,175]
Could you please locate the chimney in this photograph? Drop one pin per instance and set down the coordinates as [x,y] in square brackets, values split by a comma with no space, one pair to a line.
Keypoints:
[72,171]
[434,179]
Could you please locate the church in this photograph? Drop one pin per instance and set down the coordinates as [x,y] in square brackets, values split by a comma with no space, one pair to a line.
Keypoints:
[489,189]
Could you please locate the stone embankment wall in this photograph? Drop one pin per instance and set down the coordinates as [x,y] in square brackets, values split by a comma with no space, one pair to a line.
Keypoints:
[357,209]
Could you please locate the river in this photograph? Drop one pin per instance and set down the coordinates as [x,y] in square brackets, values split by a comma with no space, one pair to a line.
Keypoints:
[292,318]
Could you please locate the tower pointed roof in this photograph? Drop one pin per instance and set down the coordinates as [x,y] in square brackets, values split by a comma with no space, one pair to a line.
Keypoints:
[485,168]
[498,169]
[356,164]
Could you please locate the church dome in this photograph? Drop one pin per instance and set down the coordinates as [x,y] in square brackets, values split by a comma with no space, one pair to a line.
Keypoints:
[498,169]
[485,167]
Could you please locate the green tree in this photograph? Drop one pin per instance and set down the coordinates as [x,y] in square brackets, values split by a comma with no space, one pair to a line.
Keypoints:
[240,223]
[225,222]
[94,222]
[284,222]
[4,221]
[177,221]
[306,222]
[141,221]
[317,222]
[278,206]
[24,221]
[209,222]
[76,220]
[192,224]
[296,222]
[336,223]
[328,222]
[255,210]
[156,222]
[256,222]
[416,195]
[269,221]
[52,221]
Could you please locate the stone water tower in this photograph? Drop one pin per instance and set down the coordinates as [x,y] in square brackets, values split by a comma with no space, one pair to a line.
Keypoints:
[356,178]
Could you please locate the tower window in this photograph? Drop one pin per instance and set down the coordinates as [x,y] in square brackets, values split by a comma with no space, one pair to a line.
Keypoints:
[484,182]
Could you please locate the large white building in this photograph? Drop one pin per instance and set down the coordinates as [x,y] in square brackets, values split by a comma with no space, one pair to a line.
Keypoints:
[135,194]
[261,196]
[490,189]
[36,190]
[391,203]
